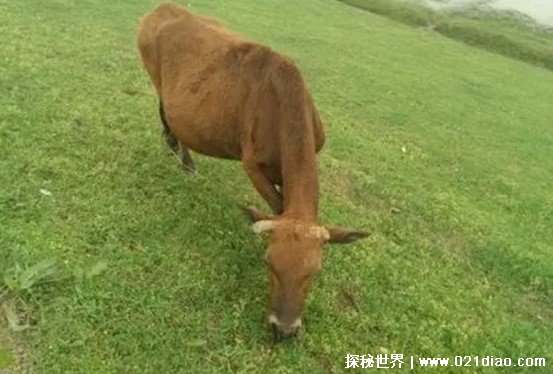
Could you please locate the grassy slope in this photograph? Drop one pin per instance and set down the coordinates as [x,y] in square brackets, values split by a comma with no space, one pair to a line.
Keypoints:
[499,32]
[459,261]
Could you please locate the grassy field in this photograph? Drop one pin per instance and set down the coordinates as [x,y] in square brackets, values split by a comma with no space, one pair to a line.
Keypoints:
[502,33]
[442,151]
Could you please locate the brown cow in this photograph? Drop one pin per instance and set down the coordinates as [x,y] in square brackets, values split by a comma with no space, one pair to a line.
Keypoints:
[224,96]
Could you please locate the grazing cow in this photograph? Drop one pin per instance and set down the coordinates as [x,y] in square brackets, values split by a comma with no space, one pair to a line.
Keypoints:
[224,96]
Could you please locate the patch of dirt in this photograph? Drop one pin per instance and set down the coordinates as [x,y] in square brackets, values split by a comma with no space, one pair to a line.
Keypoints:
[326,363]
[9,343]
[458,244]
[347,299]
[340,186]
[533,305]
[131,92]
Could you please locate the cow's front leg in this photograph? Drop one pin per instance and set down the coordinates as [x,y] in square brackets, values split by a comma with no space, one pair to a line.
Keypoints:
[263,185]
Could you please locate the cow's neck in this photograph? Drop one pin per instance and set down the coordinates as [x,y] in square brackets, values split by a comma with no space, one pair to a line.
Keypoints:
[300,185]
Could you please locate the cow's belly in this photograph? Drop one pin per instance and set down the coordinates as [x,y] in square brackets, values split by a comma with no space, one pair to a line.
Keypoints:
[210,139]
[203,109]
[206,129]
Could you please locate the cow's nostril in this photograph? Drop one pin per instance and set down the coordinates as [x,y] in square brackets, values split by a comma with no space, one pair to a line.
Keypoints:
[283,331]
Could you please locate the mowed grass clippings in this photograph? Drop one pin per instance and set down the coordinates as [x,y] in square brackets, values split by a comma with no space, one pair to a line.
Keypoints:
[442,151]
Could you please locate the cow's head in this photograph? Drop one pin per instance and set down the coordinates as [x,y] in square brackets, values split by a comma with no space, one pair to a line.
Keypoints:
[293,257]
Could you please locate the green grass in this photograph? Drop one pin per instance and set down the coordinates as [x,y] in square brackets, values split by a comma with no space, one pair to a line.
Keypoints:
[497,32]
[442,151]
[6,358]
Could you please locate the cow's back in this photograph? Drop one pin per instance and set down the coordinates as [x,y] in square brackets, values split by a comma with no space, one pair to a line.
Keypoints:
[172,40]
[215,86]
[149,29]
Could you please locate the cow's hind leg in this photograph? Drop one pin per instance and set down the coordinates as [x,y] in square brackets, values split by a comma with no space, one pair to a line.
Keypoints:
[187,162]
[174,144]
[170,139]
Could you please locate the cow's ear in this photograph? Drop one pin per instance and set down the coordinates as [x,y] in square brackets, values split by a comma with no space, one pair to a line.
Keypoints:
[254,215]
[344,236]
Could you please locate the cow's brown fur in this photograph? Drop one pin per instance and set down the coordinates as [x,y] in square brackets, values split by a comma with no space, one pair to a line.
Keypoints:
[227,97]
